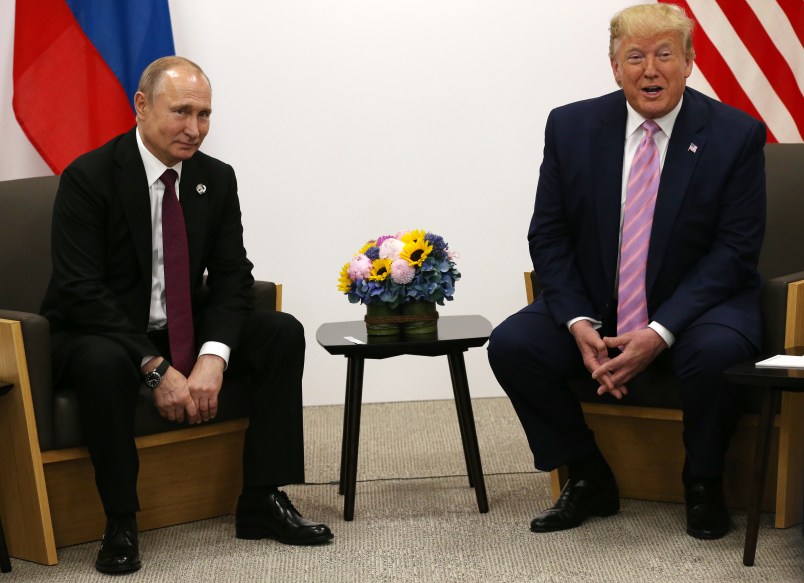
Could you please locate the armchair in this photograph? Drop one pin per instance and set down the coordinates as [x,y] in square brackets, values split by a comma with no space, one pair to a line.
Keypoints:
[48,498]
[640,436]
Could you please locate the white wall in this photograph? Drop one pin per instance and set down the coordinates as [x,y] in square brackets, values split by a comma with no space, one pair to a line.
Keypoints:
[347,120]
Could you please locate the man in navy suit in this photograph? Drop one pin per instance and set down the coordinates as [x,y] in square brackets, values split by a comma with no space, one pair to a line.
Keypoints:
[699,285]
[111,321]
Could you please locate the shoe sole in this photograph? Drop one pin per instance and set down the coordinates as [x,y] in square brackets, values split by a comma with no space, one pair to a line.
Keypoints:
[602,513]
[120,569]
[707,535]
[259,533]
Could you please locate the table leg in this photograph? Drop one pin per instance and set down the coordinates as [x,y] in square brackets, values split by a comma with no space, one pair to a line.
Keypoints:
[346,417]
[462,427]
[463,403]
[354,397]
[764,431]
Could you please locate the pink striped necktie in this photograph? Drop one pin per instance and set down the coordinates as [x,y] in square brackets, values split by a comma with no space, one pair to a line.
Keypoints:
[640,200]
[177,278]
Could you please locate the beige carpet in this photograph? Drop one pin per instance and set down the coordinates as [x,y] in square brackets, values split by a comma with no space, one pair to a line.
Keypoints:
[416,520]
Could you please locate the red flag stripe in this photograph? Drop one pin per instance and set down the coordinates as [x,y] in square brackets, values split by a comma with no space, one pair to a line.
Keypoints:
[82,86]
[773,64]
[717,72]
[794,9]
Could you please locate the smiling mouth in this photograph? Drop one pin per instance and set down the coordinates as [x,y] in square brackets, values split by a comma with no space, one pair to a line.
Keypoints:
[652,90]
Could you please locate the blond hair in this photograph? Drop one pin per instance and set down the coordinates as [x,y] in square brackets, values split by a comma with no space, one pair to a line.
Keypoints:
[644,20]
[154,74]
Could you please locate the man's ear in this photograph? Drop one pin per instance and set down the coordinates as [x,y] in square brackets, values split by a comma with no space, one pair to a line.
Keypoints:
[615,68]
[140,104]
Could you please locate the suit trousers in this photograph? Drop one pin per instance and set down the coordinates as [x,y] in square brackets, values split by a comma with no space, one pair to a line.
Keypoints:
[269,359]
[533,359]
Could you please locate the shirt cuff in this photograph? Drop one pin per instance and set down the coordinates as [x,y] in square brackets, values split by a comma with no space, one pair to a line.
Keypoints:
[666,335]
[595,323]
[218,349]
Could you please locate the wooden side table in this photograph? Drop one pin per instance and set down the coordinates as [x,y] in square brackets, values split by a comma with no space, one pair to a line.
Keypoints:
[5,561]
[455,335]
[773,381]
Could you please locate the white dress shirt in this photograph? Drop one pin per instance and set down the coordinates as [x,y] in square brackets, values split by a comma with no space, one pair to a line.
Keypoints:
[633,135]
[157,318]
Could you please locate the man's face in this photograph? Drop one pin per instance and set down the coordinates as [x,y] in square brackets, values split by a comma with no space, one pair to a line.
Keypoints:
[652,72]
[175,122]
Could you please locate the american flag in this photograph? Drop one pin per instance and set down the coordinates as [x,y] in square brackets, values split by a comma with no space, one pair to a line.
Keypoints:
[750,53]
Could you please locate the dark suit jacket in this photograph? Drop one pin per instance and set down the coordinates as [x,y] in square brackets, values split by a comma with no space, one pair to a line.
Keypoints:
[708,223]
[102,251]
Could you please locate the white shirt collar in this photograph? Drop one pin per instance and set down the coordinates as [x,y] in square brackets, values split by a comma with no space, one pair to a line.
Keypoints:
[153,166]
[665,122]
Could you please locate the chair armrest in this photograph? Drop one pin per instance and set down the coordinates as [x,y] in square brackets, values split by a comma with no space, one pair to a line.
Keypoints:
[267,295]
[774,311]
[36,337]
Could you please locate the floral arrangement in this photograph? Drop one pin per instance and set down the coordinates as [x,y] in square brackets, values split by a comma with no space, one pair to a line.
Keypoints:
[411,266]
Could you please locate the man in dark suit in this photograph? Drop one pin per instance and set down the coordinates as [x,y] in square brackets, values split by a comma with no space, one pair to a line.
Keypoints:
[127,304]
[661,172]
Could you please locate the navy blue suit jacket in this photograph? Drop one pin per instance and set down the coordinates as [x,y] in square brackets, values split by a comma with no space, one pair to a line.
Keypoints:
[708,223]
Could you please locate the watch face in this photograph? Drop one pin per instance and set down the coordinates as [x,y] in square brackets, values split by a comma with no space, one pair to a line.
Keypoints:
[152,379]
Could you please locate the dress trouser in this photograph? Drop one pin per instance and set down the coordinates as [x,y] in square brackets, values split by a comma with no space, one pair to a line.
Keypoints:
[533,359]
[269,360]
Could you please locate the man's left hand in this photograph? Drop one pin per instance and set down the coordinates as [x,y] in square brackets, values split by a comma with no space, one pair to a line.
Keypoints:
[205,383]
[639,348]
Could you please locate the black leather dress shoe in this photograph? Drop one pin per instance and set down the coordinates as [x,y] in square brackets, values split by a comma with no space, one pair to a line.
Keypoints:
[119,552]
[273,516]
[707,515]
[578,500]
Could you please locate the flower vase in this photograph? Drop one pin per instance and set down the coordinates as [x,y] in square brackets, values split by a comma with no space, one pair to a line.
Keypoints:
[382,320]
[419,318]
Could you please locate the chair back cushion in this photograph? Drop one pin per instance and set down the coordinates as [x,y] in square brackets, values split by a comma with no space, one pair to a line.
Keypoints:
[783,248]
[25,265]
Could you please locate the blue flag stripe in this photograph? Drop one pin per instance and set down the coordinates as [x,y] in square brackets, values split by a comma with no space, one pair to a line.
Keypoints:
[128,34]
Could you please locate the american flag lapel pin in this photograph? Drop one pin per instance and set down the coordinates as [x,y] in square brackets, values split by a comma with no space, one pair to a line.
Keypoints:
[693,148]
[201,189]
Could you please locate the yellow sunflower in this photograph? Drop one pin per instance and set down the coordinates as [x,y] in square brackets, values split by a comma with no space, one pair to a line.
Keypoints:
[413,236]
[380,269]
[344,283]
[416,252]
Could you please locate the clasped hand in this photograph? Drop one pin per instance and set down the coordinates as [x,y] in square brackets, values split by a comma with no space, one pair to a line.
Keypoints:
[638,350]
[194,398]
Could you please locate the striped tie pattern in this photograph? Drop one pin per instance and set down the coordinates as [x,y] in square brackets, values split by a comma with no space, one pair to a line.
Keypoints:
[640,200]
[181,335]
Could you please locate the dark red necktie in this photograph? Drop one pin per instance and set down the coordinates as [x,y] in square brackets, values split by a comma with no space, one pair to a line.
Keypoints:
[177,278]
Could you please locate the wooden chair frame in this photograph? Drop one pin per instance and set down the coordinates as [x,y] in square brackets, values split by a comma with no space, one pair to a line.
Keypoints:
[49,499]
[643,445]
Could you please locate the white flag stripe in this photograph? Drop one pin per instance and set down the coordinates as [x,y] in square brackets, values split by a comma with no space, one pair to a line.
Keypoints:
[779,28]
[698,80]
[745,69]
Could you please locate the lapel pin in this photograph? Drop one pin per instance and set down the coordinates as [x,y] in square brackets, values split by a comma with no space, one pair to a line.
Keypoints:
[201,189]
[693,148]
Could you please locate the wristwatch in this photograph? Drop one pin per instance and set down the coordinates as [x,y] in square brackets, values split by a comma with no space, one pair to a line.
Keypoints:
[153,378]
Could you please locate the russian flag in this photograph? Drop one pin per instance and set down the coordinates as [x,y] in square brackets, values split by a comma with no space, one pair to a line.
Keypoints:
[76,68]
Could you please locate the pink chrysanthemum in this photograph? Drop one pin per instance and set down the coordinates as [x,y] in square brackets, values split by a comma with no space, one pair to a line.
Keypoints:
[401,272]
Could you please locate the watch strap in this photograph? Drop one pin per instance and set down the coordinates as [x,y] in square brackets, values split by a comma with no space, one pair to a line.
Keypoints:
[162,368]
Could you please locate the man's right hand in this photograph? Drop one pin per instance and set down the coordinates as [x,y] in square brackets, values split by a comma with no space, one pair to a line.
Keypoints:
[595,353]
[172,398]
